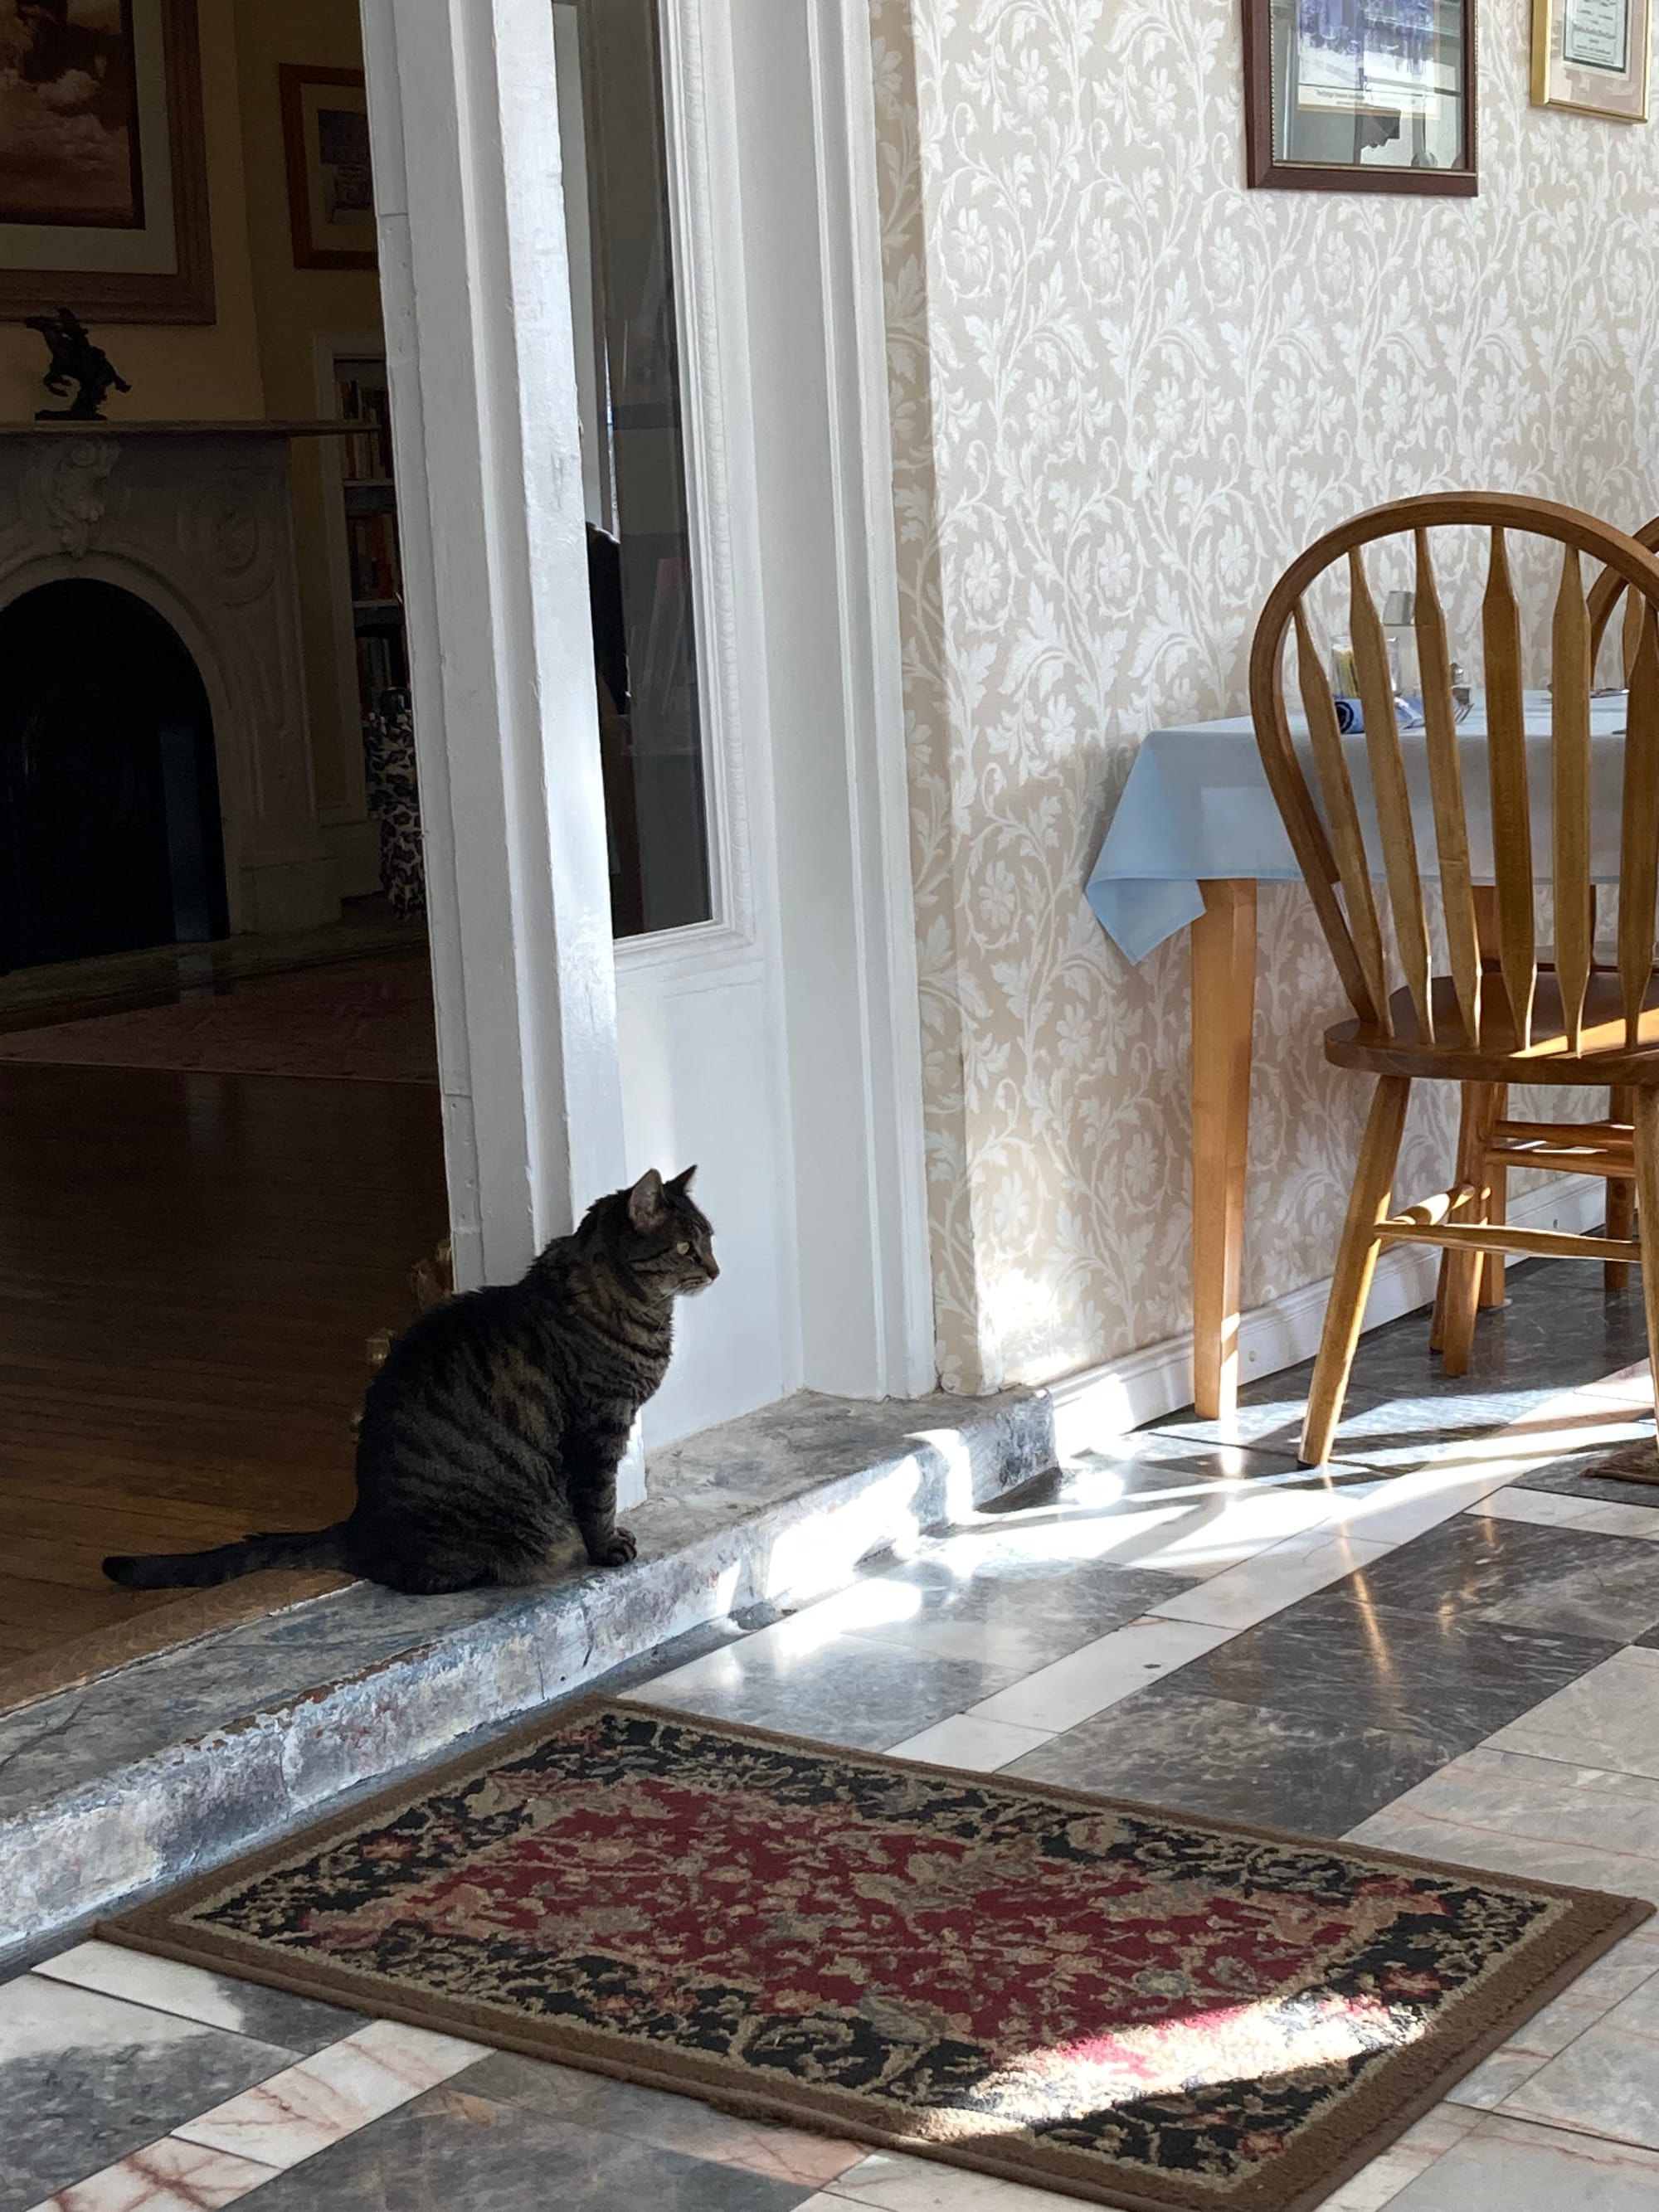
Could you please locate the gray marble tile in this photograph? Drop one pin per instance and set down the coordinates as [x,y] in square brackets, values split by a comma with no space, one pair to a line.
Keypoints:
[449,2150]
[844,1690]
[1005,1599]
[1482,1567]
[85,2079]
[667,2122]
[1559,1330]
[1143,1465]
[1170,1745]
[268,2015]
[1595,1474]
[1338,1656]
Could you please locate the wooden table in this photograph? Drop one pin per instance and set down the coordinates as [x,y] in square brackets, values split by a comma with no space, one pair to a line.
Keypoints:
[1223,1009]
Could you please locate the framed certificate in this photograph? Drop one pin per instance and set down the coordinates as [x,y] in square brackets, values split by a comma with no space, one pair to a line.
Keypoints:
[1360,95]
[1591,56]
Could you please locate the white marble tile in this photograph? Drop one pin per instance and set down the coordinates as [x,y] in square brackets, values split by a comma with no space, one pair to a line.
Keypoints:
[1607,2081]
[161,1983]
[1212,1534]
[1512,2166]
[1603,1985]
[1610,1519]
[1540,1508]
[1607,1719]
[168,2176]
[966,1739]
[1241,1596]
[898,2184]
[1549,1509]
[1632,1386]
[1380,2182]
[306,2107]
[1516,1815]
[1101,1674]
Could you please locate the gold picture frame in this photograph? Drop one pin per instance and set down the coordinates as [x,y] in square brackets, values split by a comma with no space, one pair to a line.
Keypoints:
[331,192]
[1592,57]
[103,169]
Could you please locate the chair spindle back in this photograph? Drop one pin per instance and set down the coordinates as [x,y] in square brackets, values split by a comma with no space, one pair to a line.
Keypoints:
[1329,838]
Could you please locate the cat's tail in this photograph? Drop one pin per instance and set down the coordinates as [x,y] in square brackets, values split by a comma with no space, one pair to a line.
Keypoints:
[296,1548]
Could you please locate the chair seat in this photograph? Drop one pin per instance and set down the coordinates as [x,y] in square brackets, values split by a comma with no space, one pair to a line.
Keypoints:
[1604,1057]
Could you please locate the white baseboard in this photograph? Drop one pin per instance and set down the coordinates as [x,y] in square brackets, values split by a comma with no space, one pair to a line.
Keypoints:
[1099,1403]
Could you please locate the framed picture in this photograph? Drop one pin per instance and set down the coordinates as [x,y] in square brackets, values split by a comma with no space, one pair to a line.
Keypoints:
[103,178]
[1592,56]
[1360,95]
[331,192]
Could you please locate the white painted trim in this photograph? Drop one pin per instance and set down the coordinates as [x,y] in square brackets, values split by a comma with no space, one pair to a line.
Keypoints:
[463,115]
[861,458]
[1099,1403]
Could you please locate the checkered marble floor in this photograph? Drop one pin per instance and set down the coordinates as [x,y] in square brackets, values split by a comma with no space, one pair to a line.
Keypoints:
[1447,1643]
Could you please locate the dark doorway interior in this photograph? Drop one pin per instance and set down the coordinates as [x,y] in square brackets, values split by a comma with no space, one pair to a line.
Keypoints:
[109,804]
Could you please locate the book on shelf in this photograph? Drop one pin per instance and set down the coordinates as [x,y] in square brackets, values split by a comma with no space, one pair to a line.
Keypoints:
[382,666]
[371,547]
[366,453]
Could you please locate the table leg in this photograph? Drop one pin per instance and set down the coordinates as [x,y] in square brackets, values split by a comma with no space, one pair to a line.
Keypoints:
[1224,1006]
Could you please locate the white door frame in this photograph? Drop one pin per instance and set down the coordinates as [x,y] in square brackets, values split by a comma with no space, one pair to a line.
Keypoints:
[480,358]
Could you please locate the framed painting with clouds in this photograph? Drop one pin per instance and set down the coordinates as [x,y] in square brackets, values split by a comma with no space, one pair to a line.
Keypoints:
[103,184]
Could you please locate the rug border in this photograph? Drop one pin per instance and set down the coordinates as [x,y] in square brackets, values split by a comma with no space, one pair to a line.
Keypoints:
[1595,1921]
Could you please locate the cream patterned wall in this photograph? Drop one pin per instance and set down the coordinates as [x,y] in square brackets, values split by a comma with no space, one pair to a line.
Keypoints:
[1125,390]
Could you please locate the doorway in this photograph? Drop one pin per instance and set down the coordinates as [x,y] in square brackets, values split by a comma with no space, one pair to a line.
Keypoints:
[693,941]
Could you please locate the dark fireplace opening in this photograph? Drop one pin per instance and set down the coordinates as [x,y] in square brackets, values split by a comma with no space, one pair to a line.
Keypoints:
[109,801]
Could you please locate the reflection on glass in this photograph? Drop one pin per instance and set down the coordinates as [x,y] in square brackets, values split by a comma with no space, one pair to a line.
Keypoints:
[632,462]
[1376,83]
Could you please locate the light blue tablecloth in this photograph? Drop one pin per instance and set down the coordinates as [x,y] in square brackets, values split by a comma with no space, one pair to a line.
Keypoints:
[1197,807]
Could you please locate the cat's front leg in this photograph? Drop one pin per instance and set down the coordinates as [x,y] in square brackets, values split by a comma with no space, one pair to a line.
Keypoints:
[592,1480]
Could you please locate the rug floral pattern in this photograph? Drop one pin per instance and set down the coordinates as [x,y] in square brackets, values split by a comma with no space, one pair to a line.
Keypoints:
[1094,1988]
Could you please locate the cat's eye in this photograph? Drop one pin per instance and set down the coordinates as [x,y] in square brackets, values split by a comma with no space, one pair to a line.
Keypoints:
[681,1247]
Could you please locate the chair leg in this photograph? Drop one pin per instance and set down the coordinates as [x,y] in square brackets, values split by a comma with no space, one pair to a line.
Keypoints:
[1621,1211]
[1646,1122]
[1497,1208]
[1356,1263]
[1462,1270]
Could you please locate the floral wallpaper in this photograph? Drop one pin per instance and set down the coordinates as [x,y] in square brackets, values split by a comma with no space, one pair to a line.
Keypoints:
[1125,390]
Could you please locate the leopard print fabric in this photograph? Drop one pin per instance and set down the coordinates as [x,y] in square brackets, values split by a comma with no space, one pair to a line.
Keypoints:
[394,800]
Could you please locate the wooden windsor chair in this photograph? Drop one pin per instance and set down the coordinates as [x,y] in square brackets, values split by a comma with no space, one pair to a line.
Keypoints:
[1488,1143]
[1505,1014]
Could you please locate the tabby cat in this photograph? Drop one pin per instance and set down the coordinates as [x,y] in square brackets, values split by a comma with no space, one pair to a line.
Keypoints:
[491,1438]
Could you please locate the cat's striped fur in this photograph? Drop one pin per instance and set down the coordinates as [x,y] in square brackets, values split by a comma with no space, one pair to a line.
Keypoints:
[491,1436]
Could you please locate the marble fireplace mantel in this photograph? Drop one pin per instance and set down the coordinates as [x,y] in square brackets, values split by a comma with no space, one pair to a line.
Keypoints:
[194,519]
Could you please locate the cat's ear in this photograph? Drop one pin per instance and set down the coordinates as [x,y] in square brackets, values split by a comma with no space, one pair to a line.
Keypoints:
[682,1182]
[644,1200]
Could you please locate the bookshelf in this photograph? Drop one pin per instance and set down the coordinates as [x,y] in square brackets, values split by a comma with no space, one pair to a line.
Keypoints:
[374,566]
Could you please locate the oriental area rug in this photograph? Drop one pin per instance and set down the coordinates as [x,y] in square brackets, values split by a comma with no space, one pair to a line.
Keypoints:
[1137,2008]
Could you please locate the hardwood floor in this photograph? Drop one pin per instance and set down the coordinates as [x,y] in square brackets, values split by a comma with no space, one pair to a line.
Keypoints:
[189,1266]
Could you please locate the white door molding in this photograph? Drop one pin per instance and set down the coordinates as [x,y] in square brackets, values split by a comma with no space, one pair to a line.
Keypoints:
[475,280]
[902,1357]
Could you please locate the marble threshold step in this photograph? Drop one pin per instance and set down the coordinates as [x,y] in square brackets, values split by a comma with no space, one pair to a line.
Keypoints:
[179,1760]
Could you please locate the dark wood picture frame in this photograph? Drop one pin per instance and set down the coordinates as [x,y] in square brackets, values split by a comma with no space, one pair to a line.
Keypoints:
[1264,167]
[185,294]
[294,77]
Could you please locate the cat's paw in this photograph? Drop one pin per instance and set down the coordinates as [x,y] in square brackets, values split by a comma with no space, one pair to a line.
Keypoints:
[614,1550]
